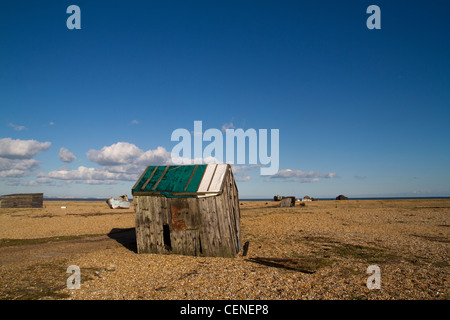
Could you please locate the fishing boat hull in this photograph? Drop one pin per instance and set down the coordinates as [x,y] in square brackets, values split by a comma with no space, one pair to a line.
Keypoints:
[118,204]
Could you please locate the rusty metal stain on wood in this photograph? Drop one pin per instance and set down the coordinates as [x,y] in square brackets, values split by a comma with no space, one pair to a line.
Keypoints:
[179,207]
[177,224]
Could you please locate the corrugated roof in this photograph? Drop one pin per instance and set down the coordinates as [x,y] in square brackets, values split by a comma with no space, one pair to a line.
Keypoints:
[186,180]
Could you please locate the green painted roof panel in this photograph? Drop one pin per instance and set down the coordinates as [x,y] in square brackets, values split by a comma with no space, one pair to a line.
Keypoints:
[170,179]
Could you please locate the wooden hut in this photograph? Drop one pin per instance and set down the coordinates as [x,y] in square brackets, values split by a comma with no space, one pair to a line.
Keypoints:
[287,202]
[22,200]
[190,210]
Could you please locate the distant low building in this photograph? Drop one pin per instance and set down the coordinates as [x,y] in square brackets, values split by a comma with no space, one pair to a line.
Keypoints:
[22,200]
[287,201]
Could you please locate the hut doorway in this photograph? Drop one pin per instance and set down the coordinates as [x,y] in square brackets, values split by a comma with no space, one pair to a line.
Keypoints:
[166,237]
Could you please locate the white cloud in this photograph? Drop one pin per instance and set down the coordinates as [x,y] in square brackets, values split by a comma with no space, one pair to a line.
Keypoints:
[134,122]
[85,175]
[17,127]
[13,173]
[16,157]
[12,182]
[15,168]
[21,149]
[121,161]
[241,172]
[18,164]
[118,153]
[158,156]
[94,174]
[65,155]
[243,178]
[31,183]
[301,176]
[227,126]
[92,181]
[41,179]
[126,157]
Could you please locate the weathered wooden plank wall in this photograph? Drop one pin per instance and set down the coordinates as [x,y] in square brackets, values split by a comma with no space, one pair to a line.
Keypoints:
[287,202]
[23,200]
[229,202]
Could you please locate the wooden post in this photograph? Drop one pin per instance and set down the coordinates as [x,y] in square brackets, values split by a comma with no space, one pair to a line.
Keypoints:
[244,252]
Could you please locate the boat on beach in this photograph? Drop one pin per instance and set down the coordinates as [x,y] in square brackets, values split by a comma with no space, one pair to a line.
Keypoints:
[121,203]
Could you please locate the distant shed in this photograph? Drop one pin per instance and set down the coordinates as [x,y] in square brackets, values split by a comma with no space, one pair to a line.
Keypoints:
[22,200]
[189,209]
[287,202]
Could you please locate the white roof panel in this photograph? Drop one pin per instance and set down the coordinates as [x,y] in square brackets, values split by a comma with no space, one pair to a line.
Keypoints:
[212,178]
[207,176]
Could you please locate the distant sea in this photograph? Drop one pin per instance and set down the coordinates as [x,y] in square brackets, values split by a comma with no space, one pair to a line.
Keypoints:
[349,198]
[260,199]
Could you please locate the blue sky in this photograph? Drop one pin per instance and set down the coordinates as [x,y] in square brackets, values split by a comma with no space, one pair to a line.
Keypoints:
[360,112]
